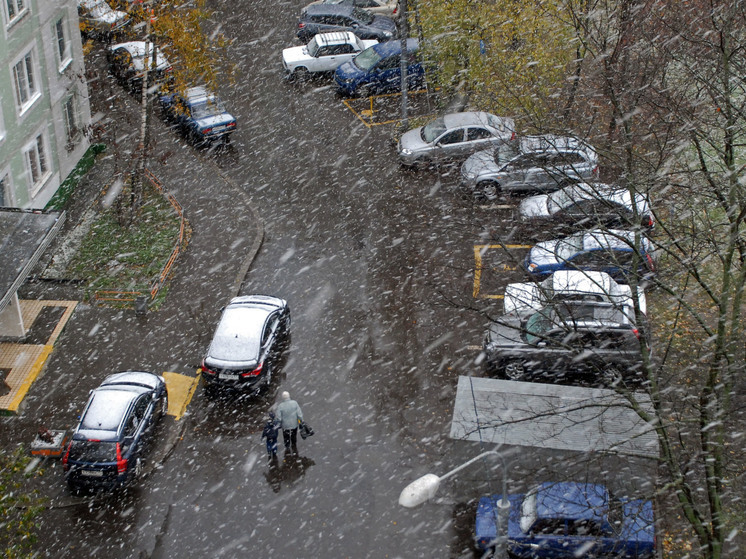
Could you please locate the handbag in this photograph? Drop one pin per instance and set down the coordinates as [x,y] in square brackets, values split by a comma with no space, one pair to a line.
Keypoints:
[305,429]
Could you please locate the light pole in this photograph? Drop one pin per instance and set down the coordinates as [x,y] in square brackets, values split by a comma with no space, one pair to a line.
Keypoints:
[424,488]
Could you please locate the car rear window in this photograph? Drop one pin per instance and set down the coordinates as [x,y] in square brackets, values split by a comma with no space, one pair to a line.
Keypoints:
[93,451]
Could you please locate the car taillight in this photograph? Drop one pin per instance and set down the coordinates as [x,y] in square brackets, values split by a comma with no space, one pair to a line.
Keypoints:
[231,125]
[647,221]
[66,457]
[636,332]
[301,25]
[207,130]
[396,10]
[595,172]
[255,373]
[512,136]
[121,462]
[650,263]
[206,370]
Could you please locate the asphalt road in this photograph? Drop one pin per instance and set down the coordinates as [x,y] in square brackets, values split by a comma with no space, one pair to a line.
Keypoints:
[378,265]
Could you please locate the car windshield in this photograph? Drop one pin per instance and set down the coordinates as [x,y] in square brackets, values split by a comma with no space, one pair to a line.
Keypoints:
[569,247]
[312,47]
[367,59]
[528,511]
[93,451]
[537,325]
[207,109]
[504,153]
[560,199]
[433,129]
[362,16]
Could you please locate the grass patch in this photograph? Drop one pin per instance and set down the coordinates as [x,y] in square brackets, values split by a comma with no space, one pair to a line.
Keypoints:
[69,185]
[114,257]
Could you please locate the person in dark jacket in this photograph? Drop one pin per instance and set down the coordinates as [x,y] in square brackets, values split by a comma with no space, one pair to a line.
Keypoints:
[270,432]
[289,414]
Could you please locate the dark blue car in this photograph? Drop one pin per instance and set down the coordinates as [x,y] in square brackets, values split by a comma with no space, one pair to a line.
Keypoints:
[108,445]
[613,251]
[378,69]
[200,115]
[566,520]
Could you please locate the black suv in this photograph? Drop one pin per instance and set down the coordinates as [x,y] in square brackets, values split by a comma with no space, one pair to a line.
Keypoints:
[325,18]
[567,340]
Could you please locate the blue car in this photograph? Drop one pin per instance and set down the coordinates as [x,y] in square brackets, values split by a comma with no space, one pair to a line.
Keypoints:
[378,69]
[566,520]
[611,251]
[108,445]
[200,115]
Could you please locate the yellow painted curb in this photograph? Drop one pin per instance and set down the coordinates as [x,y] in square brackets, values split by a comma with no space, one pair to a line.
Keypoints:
[36,368]
[181,389]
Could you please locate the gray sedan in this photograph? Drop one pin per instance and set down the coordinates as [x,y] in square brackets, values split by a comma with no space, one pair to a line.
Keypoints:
[454,135]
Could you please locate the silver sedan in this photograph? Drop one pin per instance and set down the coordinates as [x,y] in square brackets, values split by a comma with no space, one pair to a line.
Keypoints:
[454,135]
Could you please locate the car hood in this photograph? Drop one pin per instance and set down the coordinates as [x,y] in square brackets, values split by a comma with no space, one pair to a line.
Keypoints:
[384,23]
[534,206]
[348,70]
[521,297]
[479,162]
[504,331]
[295,54]
[413,141]
[543,253]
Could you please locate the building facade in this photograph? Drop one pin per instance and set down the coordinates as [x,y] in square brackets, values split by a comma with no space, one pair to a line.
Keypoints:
[45,107]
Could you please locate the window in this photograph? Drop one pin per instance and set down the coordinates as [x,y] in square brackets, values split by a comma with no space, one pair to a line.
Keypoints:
[14,9]
[70,114]
[62,43]
[453,137]
[478,134]
[24,76]
[37,163]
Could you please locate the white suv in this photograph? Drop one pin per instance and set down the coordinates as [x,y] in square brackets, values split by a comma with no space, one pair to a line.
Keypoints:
[323,53]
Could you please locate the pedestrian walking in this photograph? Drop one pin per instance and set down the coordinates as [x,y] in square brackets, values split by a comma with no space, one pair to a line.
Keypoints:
[289,414]
[270,432]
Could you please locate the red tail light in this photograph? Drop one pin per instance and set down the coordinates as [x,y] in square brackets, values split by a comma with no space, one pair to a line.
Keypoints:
[650,263]
[206,370]
[595,172]
[636,332]
[301,25]
[121,462]
[647,221]
[396,10]
[66,457]
[255,373]
[231,125]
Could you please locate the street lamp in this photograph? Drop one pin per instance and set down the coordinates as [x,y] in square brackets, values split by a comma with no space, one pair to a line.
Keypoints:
[424,488]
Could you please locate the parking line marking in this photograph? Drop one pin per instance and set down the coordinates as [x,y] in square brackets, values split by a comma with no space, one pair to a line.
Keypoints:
[181,389]
[478,251]
[369,112]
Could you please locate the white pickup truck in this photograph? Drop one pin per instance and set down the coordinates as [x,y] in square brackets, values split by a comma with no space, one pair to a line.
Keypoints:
[323,53]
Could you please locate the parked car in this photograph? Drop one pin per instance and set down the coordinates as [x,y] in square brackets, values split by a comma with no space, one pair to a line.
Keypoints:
[127,63]
[324,53]
[545,162]
[246,343]
[377,7]
[613,251]
[569,285]
[325,18]
[573,340]
[200,115]
[567,520]
[454,135]
[584,204]
[377,69]
[110,442]
[98,19]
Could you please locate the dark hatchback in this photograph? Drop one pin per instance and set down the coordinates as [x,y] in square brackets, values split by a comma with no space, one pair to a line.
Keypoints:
[568,340]
[108,445]
[325,18]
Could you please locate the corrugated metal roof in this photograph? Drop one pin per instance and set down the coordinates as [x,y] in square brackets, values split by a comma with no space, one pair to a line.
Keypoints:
[551,416]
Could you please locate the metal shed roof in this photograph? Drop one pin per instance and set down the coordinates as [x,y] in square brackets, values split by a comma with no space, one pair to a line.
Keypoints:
[24,235]
[551,416]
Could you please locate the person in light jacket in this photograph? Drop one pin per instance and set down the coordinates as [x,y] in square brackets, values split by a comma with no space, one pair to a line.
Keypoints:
[289,413]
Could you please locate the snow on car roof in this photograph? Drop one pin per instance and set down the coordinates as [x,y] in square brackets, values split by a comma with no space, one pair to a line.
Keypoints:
[107,408]
[576,501]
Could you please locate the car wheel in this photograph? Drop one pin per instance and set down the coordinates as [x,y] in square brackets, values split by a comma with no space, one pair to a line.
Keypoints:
[514,369]
[301,75]
[612,376]
[488,189]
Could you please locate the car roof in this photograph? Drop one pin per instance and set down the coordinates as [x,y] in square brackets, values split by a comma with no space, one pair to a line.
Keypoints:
[553,142]
[616,239]
[454,120]
[572,500]
[387,48]
[333,9]
[336,38]
[580,280]
[199,94]
[106,408]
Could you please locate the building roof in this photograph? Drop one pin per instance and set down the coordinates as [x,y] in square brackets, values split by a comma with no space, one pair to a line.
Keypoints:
[24,235]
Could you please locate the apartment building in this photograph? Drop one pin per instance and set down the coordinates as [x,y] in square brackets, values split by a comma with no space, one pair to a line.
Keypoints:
[45,110]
